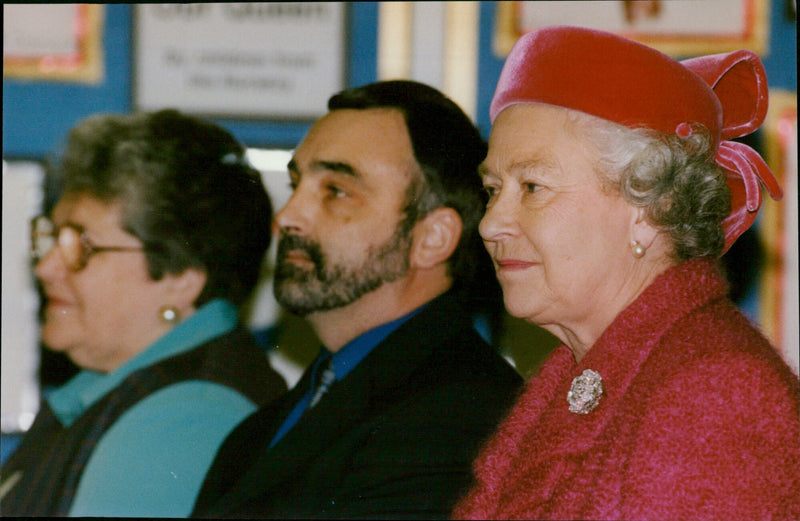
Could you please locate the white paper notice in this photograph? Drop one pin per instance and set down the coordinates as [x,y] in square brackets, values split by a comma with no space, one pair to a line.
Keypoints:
[262,60]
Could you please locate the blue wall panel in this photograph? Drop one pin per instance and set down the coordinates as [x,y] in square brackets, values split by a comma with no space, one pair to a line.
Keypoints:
[38,114]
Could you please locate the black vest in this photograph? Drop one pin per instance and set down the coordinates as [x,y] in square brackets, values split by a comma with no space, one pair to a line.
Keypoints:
[45,470]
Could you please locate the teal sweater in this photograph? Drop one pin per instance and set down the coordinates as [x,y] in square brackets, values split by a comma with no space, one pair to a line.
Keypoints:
[152,461]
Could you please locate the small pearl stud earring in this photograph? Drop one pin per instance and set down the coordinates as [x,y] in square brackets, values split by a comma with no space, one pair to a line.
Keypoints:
[637,249]
[168,314]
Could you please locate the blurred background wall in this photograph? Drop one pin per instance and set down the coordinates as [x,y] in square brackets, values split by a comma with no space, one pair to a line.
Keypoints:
[458,47]
[447,44]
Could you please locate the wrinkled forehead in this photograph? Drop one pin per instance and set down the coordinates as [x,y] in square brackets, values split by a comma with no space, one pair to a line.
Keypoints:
[530,125]
[372,141]
[544,141]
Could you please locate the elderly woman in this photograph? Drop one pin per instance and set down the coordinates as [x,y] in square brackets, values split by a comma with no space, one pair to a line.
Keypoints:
[157,238]
[608,206]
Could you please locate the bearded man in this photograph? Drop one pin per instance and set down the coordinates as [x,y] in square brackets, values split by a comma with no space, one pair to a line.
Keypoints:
[379,251]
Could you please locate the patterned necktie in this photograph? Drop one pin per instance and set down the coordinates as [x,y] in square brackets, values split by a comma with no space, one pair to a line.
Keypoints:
[324,382]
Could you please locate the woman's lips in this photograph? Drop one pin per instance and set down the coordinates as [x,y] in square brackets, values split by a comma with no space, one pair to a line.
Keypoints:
[56,302]
[513,264]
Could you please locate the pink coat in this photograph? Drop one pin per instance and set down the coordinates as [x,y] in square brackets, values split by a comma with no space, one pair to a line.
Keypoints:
[700,419]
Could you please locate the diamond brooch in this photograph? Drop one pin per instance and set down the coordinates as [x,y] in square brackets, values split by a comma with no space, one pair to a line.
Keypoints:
[585,393]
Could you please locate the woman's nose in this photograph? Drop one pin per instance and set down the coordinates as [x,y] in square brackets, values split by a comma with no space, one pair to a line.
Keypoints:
[51,266]
[499,221]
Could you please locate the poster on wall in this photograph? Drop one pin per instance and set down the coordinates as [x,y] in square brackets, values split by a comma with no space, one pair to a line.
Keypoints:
[276,60]
[779,301]
[675,27]
[60,42]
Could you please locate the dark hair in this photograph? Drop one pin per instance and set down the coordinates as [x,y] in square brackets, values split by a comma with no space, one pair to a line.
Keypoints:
[448,149]
[187,192]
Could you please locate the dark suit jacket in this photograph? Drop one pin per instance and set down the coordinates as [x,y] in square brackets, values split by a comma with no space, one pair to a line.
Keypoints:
[395,438]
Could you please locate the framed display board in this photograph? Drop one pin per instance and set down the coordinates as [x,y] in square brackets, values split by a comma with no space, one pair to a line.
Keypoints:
[276,60]
[779,299]
[675,27]
[59,42]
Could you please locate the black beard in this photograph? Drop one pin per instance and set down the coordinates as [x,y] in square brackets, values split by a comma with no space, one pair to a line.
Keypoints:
[324,287]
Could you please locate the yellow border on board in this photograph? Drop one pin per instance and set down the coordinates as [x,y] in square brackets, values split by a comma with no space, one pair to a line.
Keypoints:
[89,70]
[506,33]
[772,226]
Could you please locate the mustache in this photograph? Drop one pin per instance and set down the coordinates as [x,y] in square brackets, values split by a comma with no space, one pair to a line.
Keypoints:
[289,243]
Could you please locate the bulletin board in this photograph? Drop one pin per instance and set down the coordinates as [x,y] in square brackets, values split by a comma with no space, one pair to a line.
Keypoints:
[675,27]
[58,42]
[276,60]
[779,299]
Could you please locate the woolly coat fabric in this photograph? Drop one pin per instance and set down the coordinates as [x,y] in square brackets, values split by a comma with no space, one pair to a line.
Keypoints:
[700,420]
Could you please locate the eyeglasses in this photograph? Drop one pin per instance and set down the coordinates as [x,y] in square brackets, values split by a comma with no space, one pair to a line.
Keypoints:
[74,246]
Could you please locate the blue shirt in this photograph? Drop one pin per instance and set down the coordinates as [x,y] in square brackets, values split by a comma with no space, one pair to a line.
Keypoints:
[152,461]
[344,360]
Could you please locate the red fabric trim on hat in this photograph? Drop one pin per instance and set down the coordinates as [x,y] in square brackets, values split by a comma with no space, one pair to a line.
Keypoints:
[745,169]
[740,82]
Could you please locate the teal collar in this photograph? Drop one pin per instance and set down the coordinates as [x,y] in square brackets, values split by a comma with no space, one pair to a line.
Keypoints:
[212,320]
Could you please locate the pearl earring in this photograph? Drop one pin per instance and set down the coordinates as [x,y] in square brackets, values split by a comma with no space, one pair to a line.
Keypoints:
[168,314]
[637,249]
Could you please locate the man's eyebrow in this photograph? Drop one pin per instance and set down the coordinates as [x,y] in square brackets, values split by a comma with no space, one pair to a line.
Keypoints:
[336,166]
[329,166]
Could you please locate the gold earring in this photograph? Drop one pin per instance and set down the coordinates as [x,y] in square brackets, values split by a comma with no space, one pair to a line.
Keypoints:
[168,314]
[637,249]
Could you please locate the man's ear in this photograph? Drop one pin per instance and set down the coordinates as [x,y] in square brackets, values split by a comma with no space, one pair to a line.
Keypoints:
[184,288]
[435,238]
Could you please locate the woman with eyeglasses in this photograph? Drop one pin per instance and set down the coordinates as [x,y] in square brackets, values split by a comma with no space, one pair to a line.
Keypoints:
[155,242]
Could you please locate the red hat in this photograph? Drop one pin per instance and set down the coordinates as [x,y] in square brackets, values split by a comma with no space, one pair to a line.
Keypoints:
[623,81]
